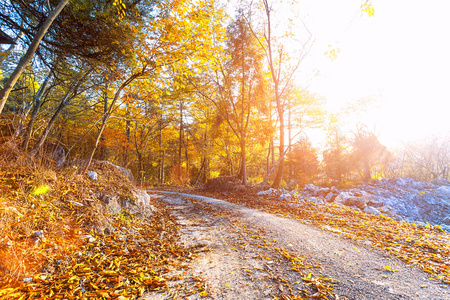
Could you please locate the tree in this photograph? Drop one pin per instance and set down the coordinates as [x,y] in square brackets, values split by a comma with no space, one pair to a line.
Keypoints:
[367,152]
[242,84]
[426,160]
[130,79]
[25,60]
[304,161]
[305,111]
[335,156]
[281,70]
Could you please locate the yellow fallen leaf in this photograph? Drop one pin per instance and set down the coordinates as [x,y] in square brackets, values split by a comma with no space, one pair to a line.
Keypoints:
[42,189]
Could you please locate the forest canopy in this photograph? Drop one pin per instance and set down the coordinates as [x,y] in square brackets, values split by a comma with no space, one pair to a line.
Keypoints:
[184,91]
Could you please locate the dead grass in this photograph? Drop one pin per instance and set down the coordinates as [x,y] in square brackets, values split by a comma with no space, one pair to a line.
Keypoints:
[40,220]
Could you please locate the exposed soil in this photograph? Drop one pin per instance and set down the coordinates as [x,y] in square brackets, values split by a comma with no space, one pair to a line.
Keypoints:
[244,253]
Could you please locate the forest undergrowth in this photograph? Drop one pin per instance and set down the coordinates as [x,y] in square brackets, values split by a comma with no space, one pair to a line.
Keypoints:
[58,241]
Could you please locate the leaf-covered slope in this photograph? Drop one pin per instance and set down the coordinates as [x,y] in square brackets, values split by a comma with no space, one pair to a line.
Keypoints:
[59,240]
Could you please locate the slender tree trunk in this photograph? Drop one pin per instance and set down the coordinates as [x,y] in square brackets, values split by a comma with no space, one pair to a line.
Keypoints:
[290,140]
[103,149]
[161,161]
[141,166]
[162,166]
[110,110]
[180,143]
[279,175]
[186,147]
[63,104]
[126,147]
[26,59]
[243,130]
[243,171]
[37,105]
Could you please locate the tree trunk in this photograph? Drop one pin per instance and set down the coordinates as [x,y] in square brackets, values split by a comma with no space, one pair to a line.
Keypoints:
[367,175]
[25,60]
[110,110]
[290,141]
[162,166]
[243,170]
[37,105]
[103,149]
[186,148]
[63,104]
[279,176]
[161,161]
[180,143]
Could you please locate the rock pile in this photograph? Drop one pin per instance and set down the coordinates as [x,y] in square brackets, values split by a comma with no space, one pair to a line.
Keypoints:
[224,184]
[403,199]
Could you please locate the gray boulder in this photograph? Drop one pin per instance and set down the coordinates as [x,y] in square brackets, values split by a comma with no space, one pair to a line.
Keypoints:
[358,202]
[388,210]
[371,210]
[330,197]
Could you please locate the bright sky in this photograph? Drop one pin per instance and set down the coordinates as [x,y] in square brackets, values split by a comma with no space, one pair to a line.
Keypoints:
[400,57]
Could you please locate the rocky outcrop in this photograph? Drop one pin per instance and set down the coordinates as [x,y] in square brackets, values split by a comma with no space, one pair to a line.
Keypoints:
[129,198]
[403,199]
[125,172]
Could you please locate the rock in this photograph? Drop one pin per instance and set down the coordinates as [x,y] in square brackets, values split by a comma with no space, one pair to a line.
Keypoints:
[142,199]
[270,191]
[446,227]
[37,236]
[92,175]
[446,220]
[398,198]
[125,172]
[223,183]
[113,203]
[441,182]
[321,192]
[342,197]
[371,210]
[358,202]
[320,201]
[310,187]
[285,196]
[374,202]
[388,210]
[330,197]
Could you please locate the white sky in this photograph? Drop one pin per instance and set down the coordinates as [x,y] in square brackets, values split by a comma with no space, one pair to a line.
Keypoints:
[400,57]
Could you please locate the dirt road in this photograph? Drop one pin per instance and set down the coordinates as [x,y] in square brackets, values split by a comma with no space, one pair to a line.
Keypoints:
[243,253]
